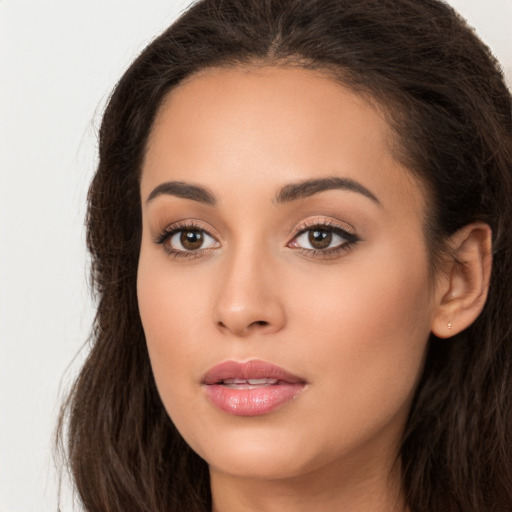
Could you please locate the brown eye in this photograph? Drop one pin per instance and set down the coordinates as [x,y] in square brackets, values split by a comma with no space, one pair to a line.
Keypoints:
[320,238]
[191,240]
[323,240]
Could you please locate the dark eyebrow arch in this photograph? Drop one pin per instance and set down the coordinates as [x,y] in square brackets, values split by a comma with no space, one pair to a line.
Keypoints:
[183,190]
[308,188]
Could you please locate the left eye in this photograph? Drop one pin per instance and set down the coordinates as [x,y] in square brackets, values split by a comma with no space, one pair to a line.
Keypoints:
[186,240]
[319,238]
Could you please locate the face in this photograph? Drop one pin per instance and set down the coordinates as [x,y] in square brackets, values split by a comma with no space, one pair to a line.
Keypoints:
[283,283]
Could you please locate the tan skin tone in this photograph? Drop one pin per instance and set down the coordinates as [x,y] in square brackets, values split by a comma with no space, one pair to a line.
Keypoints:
[235,273]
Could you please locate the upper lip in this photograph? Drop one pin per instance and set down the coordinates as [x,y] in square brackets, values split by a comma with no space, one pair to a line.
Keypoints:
[254,369]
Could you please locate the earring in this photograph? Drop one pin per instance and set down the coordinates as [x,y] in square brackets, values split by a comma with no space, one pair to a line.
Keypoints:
[449,325]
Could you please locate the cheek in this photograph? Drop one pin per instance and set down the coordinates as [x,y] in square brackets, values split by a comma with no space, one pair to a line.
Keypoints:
[169,300]
[368,324]
[169,308]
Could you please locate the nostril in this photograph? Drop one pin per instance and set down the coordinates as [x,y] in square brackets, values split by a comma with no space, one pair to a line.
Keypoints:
[259,323]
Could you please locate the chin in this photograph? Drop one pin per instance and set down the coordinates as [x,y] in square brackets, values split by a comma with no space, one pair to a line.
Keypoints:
[255,450]
[260,463]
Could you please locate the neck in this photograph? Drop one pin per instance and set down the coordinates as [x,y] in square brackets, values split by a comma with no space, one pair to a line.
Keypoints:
[325,489]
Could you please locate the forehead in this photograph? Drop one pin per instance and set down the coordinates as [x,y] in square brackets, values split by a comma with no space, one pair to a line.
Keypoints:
[255,129]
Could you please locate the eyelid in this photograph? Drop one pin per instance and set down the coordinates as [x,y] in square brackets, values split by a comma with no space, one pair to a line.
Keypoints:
[324,222]
[342,229]
[168,232]
[159,235]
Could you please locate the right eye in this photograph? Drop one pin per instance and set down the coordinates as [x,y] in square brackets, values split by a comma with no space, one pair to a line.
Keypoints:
[186,241]
[191,240]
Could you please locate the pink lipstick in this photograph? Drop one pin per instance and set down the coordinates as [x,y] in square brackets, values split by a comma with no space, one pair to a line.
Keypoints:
[252,388]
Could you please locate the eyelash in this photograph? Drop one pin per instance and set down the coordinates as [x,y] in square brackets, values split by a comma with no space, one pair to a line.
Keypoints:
[170,231]
[350,239]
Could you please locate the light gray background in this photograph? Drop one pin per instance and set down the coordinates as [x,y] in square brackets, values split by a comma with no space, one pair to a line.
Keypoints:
[58,63]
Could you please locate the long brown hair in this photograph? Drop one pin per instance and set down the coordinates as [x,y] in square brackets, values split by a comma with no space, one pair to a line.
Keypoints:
[445,97]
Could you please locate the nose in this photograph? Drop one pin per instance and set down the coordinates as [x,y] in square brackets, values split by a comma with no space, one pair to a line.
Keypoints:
[250,299]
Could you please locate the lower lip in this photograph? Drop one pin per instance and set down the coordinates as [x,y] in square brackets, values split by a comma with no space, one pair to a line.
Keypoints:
[252,402]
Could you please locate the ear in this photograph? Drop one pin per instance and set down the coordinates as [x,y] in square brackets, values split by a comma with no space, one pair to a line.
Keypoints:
[463,281]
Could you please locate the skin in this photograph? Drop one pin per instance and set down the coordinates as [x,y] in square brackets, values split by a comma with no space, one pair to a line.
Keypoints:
[353,324]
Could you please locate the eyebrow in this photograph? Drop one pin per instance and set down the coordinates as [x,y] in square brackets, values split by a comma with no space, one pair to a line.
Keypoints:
[288,193]
[183,190]
[308,188]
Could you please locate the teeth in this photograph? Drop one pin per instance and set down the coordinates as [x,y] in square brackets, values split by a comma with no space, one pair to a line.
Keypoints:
[256,382]
[248,383]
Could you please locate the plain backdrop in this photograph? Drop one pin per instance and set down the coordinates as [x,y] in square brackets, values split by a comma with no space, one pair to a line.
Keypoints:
[58,63]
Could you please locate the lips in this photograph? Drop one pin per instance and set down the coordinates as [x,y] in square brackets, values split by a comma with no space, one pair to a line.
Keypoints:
[252,388]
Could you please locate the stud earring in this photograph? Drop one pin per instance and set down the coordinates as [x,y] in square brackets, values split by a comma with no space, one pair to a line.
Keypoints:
[449,325]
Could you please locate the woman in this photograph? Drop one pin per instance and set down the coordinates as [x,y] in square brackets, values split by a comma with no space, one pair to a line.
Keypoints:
[301,245]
